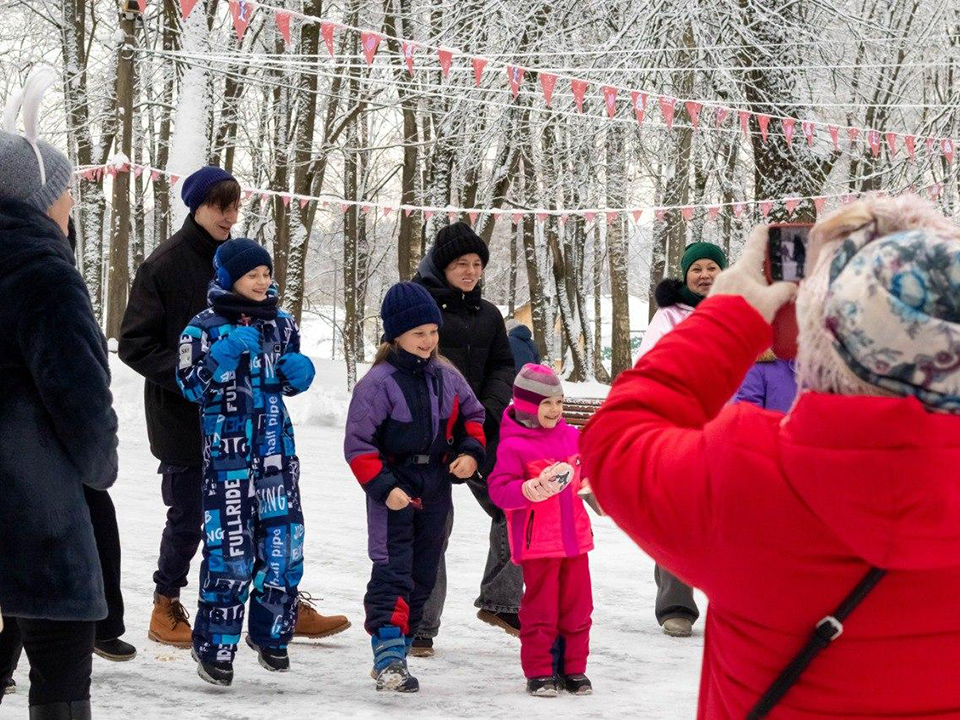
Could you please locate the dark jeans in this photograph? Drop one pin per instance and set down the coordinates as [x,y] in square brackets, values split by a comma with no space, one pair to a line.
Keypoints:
[182,489]
[674,597]
[502,585]
[60,654]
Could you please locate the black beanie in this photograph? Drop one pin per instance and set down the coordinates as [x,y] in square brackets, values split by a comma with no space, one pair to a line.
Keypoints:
[457,240]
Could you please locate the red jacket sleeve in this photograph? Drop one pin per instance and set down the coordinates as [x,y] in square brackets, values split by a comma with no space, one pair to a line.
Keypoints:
[644,450]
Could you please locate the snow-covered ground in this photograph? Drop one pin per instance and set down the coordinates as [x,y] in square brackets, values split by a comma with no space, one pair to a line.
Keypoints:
[636,670]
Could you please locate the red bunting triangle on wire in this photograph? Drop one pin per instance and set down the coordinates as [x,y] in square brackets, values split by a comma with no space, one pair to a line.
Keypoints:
[446,58]
[713,212]
[186,7]
[589,216]
[873,139]
[478,64]
[639,101]
[789,126]
[660,214]
[327,29]
[610,99]
[407,211]
[303,203]
[173,180]
[791,205]
[155,175]
[667,108]
[286,200]
[579,88]
[764,122]
[738,209]
[720,116]
[541,217]
[612,217]
[370,42]
[947,147]
[818,203]
[547,82]
[283,25]
[386,211]
[911,142]
[515,76]
[852,134]
[808,131]
[427,214]
[892,143]
[242,12]
[745,124]
[473,217]
[563,219]
[408,49]
[636,215]
[693,111]
[765,207]
[517,218]
[835,136]
[143,6]
[686,213]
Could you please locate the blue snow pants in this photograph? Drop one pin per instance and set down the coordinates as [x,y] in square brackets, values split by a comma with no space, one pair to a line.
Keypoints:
[405,547]
[253,532]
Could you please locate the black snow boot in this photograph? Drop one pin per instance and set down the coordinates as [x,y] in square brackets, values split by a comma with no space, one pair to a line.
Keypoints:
[273,659]
[542,686]
[396,676]
[215,673]
[116,650]
[577,684]
[76,710]
[421,647]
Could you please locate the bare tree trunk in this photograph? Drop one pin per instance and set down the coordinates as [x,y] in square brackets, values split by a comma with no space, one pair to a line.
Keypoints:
[617,253]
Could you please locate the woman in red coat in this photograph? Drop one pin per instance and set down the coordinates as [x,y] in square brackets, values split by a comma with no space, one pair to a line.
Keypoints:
[778,518]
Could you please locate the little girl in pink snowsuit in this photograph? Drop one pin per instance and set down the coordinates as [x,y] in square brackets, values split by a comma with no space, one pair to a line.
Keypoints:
[536,481]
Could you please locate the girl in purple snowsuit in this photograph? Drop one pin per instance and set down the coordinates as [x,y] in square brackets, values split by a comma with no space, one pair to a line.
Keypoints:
[413,422]
[770,384]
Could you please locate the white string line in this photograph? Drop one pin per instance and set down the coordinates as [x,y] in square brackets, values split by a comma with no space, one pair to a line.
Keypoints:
[730,124]
[530,69]
[328,199]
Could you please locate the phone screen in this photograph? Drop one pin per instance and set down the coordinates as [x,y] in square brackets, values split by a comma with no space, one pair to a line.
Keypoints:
[787,251]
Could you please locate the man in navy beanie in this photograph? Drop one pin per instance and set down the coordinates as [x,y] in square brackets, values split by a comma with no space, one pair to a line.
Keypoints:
[170,287]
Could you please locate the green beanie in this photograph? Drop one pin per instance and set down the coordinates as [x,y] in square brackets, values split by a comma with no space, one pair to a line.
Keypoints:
[701,251]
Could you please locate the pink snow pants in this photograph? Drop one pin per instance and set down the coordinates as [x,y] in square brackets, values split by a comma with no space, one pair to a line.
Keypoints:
[558,601]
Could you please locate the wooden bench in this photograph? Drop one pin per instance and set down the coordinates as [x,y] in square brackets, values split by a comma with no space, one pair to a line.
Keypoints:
[577,411]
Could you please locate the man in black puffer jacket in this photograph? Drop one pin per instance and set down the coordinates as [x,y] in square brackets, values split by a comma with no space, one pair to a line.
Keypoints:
[474,338]
[58,433]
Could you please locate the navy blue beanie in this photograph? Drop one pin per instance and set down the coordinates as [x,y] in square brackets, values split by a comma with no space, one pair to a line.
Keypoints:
[406,306]
[197,185]
[235,258]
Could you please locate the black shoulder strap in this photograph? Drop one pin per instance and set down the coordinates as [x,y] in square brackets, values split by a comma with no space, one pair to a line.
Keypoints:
[824,633]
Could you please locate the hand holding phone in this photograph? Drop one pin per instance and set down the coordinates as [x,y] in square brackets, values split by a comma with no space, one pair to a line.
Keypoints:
[785,261]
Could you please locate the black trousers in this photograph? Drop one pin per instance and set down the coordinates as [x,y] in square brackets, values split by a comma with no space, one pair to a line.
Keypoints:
[60,654]
[182,491]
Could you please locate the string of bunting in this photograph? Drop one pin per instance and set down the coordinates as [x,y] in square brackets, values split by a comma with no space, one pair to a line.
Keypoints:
[698,111]
[119,164]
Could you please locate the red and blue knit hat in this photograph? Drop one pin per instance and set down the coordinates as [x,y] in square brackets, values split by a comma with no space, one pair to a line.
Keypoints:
[533,385]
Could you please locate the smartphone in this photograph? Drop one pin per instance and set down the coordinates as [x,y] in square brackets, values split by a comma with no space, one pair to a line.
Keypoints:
[785,260]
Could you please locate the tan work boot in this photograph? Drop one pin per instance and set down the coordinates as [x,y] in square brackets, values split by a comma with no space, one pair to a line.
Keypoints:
[311,624]
[170,623]
[677,627]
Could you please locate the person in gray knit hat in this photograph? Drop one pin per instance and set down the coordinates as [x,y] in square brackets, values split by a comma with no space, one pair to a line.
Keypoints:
[60,431]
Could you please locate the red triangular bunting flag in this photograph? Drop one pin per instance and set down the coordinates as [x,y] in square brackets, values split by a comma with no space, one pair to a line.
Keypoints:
[247,194]
[138,170]
[473,217]
[143,6]
[283,25]
[818,203]
[541,217]
[563,219]
[579,88]
[612,217]
[547,83]
[713,212]
[589,216]
[835,136]
[687,213]
[517,218]
[365,209]
[453,216]
[745,123]
[344,207]
[265,196]
[639,101]
[478,65]
[738,209]
[911,142]
[765,207]
[427,214]
[636,215]
[808,131]
[721,115]
[693,111]
[892,143]
[764,121]
[789,125]
[852,135]
[791,205]
[873,138]
[327,29]
[515,76]
[660,213]
[610,99]
[242,11]
[112,170]
[370,42]
[303,203]
[446,58]
[286,200]
[947,147]
[408,49]
[408,211]
[173,179]
[186,7]
[667,108]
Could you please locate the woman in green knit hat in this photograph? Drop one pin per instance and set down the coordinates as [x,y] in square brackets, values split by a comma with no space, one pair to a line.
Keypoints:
[701,263]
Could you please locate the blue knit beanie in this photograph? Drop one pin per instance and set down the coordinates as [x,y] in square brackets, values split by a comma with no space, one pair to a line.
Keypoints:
[406,306]
[197,185]
[235,258]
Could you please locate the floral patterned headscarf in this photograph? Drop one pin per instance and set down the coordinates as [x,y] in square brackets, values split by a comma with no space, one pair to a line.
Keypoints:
[892,308]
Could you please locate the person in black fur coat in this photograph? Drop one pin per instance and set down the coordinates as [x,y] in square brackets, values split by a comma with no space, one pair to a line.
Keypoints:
[58,430]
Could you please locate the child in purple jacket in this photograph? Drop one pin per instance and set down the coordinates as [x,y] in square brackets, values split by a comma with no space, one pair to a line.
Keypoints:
[771,384]
[536,481]
[413,422]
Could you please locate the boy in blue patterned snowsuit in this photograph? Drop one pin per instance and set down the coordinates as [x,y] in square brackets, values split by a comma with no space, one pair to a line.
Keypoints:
[238,359]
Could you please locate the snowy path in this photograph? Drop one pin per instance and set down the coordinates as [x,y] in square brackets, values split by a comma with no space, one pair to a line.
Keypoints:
[637,671]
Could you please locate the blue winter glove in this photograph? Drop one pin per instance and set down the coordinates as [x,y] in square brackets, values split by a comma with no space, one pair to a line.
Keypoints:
[227,350]
[297,370]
